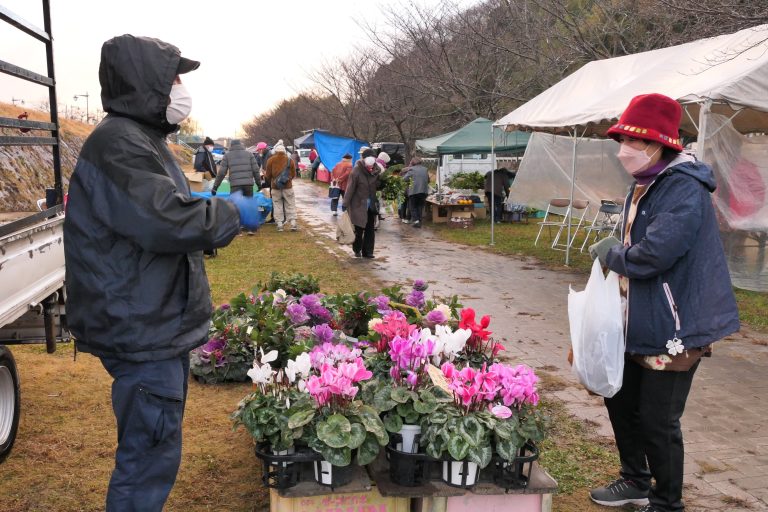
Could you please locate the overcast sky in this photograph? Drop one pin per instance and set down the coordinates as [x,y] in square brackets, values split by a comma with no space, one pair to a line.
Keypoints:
[253,53]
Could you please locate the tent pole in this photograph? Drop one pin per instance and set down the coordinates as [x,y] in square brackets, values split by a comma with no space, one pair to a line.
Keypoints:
[703,114]
[570,208]
[493,183]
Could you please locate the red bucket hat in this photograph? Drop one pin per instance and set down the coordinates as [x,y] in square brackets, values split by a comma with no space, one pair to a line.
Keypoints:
[651,117]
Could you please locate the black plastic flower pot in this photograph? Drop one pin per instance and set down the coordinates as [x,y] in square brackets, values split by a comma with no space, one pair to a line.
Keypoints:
[282,471]
[332,476]
[407,469]
[517,473]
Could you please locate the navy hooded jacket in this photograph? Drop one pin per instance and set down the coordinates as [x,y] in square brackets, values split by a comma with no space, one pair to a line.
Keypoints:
[133,236]
[676,246]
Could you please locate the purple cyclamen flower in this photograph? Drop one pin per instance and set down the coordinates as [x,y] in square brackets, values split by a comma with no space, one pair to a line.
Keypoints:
[224,307]
[296,313]
[323,333]
[415,299]
[419,285]
[412,379]
[436,317]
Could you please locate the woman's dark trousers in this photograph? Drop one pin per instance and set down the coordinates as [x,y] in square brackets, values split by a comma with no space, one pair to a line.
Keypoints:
[645,415]
[417,206]
[365,237]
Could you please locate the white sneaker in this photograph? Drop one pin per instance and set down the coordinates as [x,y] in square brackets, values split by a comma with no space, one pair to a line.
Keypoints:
[280,227]
[335,214]
[294,227]
[405,221]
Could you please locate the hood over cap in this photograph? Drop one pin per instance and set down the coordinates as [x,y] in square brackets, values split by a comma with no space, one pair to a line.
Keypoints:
[136,75]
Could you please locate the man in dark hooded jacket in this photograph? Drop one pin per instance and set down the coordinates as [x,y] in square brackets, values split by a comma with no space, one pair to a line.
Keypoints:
[137,293]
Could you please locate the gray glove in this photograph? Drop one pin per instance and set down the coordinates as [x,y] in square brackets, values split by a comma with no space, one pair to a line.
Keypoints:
[601,248]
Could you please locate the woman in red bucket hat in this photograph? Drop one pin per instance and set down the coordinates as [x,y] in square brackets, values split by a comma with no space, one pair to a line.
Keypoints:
[679,300]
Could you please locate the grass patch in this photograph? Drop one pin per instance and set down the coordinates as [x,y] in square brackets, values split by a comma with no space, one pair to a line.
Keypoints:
[516,239]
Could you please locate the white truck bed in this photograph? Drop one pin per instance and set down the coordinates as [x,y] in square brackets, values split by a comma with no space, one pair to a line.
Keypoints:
[31,264]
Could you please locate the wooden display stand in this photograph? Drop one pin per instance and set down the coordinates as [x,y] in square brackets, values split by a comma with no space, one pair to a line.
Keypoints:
[357,496]
[437,496]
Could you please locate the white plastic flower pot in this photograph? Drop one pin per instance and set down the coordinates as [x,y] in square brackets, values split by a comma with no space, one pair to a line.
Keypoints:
[454,473]
[289,451]
[409,444]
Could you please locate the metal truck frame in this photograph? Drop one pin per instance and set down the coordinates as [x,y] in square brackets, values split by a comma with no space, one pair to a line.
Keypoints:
[32,289]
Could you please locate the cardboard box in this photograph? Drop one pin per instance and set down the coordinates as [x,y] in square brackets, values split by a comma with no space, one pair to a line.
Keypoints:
[195,181]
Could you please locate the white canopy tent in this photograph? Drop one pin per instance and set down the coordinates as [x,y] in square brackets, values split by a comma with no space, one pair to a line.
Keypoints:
[721,82]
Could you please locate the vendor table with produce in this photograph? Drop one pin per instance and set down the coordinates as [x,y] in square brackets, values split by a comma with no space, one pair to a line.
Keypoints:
[444,208]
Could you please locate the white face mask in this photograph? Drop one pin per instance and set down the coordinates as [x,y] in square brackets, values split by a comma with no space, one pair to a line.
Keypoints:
[634,160]
[180,106]
[369,161]
[209,148]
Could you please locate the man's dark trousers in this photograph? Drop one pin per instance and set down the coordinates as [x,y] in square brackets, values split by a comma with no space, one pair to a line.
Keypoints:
[498,205]
[645,415]
[148,399]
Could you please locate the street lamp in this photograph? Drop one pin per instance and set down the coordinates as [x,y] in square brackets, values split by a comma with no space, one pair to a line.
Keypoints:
[86,105]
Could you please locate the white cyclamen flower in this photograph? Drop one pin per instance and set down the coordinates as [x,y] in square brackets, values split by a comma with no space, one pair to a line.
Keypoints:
[451,342]
[261,374]
[299,367]
[269,357]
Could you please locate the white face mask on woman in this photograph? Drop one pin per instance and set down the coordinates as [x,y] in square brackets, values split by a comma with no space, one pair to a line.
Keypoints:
[180,106]
[634,160]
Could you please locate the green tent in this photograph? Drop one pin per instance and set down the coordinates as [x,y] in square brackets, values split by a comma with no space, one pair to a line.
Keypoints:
[475,137]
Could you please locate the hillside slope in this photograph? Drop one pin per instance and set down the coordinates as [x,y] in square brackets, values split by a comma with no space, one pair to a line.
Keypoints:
[26,171]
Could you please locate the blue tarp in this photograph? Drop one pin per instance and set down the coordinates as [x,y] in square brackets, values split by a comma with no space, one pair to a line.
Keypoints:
[331,148]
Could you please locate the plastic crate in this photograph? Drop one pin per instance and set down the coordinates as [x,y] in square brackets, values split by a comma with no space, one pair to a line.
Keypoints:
[368,501]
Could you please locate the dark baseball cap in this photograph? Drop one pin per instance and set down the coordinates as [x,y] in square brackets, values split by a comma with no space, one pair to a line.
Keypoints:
[186,65]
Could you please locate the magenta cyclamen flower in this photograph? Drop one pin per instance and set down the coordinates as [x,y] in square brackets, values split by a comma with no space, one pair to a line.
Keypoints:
[323,333]
[419,285]
[415,299]
[296,313]
[224,307]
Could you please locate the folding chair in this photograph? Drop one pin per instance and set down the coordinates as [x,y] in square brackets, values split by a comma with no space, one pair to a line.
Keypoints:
[607,220]
[552,216]
[578,205]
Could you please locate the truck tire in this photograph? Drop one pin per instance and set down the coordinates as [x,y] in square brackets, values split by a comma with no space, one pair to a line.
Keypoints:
[10,402]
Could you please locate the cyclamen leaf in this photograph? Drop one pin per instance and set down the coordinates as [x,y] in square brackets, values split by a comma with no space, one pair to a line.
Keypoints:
[357,435]
[506,449]
[368,451]
[401,395]
[480,455]
[337,456]
[458,448]
[424,407]
[301,418]
[393,422]
[472,431]
[438,417]
[333,436]
[382,400]
[337,421]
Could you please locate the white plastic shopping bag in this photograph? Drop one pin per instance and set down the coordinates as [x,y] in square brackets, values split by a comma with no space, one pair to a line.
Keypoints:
[345,232]
[597,333]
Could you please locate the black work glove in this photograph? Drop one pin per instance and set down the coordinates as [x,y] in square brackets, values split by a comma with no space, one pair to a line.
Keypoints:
[601,248]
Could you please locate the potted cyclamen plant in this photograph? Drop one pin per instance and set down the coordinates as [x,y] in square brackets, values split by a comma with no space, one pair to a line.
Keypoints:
[334,423]
[493,413]
[264,414]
